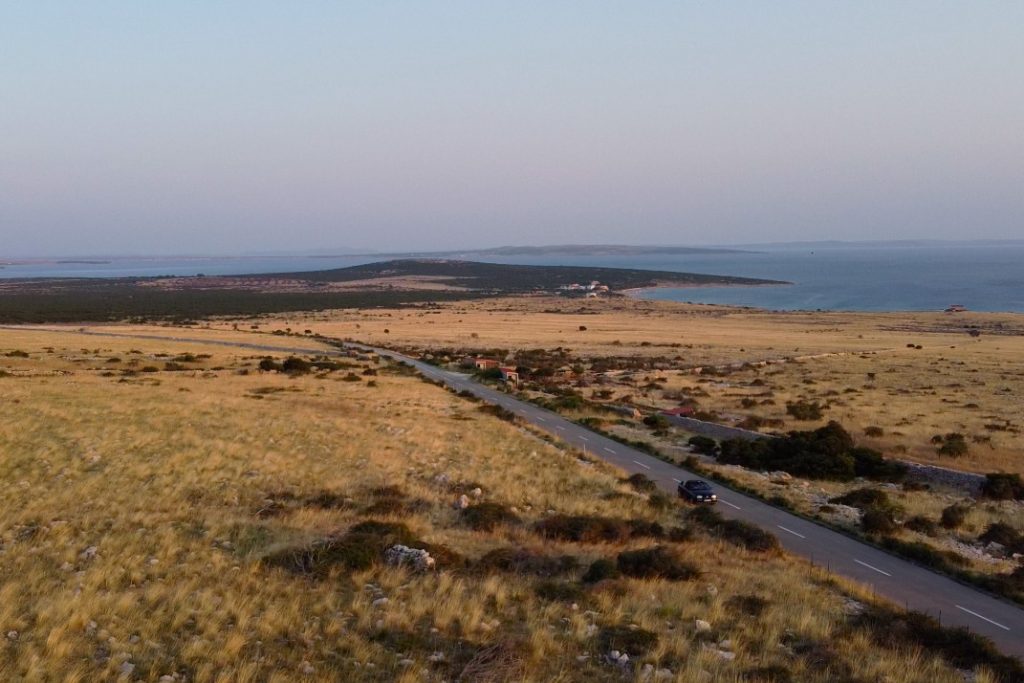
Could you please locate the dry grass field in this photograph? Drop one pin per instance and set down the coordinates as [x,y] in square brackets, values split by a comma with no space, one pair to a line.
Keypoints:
[171,513]
[866,367]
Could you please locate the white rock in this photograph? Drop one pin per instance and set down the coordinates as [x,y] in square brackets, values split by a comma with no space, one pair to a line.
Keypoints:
[701,626]
[477,492]
[306,668]
[380,602]
[664,675]
[89,553]
[404,556]
[405,662]
[462,502]
[436,657]
[12,635]
[725,644]
[127,668]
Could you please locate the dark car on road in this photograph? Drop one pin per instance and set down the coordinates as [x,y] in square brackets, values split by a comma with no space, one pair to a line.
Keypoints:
[697,491]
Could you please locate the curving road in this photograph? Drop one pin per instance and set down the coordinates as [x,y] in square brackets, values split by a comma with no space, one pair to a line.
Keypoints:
[905,583]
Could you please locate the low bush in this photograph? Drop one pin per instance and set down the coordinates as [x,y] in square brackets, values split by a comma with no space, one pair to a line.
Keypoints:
[600,570]
[874,431]
[642,483]
[361,547]
[487,516]
[593,529]
[558,591]
[1005,535]
[954,516]
[863,498]
[734,531]
[804,410]
[824,453]
[959,646]
[924,554]
[658,562]
[878,521]
[922,525]
[633,641]
[1003,486]
[704,445]
[498,412]
[515,560]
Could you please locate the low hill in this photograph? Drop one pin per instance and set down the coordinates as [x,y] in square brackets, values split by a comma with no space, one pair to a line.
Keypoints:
[388,283]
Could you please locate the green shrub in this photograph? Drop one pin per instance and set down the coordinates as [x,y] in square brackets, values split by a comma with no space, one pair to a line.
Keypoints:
[953,445]
[805,411]
[658,562]
[487,516]
[824,453]
[270,365]
[359,548]
[703,445]
[874,431]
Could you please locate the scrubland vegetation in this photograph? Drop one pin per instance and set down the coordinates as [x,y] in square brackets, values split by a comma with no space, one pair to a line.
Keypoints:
[181,514]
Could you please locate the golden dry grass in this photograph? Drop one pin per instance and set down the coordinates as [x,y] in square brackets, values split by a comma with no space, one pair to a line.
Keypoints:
[131,534]
[859,363]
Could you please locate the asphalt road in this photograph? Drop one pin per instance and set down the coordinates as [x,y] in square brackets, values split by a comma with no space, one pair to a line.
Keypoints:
[902,582]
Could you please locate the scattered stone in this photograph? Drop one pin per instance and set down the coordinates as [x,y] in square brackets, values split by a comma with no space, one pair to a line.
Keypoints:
[462,502]
[477,492]
[852,608]
[405,662]
[127,668]
[89,553]
[380,602]
[436,658]
[702,626]
[12,635]
[404,556]
[306,668]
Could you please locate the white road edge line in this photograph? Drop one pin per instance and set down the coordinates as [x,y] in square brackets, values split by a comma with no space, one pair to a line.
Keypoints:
[994,623]
[865,564]
[609,450]
[560,427]
[642,465]
[790,531]
[583,438]
[541,418]
[733,505]
[678,481]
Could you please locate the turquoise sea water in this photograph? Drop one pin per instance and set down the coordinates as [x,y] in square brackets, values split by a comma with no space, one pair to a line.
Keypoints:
[983,277]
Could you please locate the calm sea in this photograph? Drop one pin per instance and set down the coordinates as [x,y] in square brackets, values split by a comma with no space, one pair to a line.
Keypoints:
[983,277]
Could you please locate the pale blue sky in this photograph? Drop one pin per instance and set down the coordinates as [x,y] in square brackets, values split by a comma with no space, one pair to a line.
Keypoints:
[209,126]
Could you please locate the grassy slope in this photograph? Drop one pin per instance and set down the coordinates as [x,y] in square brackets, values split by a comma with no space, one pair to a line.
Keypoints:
[135,515]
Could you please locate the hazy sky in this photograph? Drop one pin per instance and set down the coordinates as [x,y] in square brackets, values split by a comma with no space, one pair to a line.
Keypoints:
[212,126]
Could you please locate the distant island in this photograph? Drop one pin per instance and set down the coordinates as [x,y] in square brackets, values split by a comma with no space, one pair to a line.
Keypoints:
[397,282]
